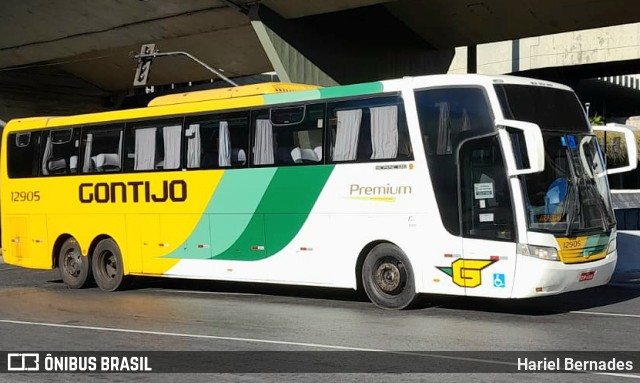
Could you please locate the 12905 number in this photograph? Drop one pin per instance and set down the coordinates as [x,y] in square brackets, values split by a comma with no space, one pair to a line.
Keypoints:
[575,244]
[25,196]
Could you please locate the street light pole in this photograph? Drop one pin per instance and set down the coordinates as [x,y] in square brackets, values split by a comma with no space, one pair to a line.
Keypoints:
[144,58]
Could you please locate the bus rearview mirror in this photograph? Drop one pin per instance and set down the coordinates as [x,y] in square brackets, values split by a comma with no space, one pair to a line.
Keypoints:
[623,138]
[523,146]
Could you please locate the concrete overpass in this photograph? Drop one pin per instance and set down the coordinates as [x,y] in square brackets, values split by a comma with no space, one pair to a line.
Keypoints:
[73,56]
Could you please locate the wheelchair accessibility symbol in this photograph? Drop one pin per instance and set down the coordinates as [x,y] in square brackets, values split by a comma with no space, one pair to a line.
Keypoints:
[498,280]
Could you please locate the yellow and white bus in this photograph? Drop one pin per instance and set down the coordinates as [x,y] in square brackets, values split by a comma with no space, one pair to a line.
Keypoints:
[468,185]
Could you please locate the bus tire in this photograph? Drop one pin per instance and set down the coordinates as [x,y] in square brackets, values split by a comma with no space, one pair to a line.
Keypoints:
[74,268]
[108,269]
[388,278]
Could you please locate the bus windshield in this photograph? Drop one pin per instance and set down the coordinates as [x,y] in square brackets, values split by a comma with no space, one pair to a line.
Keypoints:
[571,195]
[552,109]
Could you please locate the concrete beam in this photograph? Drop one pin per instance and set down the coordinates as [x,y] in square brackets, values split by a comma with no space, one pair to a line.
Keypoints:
[288,62]
[449,23]
[358,45]
[294,9]
[47,92]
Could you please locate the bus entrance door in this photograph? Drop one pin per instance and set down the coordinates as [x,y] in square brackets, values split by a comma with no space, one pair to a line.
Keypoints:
[488,244]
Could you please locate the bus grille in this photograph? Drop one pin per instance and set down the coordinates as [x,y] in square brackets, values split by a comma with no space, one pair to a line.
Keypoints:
[583,249]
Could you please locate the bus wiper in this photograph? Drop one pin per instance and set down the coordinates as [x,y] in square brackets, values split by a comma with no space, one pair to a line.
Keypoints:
[573,204]
[599,202]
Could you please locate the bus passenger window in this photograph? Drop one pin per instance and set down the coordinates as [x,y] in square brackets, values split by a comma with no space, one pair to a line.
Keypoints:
[290,135]
[154,146]
[23,152]
[218,141]
[60,152]
[448,116]
[369,130]
[102,149]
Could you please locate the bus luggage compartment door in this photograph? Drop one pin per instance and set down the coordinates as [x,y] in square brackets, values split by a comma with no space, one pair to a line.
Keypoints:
[27,242]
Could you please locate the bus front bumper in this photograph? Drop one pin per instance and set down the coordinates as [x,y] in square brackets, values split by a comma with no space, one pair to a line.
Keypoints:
[537,277]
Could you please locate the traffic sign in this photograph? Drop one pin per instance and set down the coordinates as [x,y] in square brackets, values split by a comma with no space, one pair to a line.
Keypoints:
[144,65]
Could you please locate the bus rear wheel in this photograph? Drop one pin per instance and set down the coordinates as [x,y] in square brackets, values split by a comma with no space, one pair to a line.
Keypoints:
[75,269]
[108,269]
[388,278]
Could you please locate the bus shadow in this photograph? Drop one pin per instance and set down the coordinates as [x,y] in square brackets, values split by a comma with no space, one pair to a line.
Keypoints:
[249,288]
[573,301]
[557,304]
[550,305]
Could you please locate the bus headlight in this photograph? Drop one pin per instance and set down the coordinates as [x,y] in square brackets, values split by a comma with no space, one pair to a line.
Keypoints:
[542,252]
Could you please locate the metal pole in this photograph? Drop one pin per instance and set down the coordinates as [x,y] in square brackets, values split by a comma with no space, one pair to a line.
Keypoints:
[158,54]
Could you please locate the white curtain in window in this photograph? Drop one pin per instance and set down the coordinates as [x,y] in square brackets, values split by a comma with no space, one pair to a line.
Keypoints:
[444,130]
[145,151]
[263,148]
[347,131]
[171,135]
[466,121]
[48,151]
[120,145]
[86,165]
[224,145]
[384,132]
[194,147]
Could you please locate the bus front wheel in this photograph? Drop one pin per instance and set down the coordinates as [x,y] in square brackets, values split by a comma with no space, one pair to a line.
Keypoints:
[75,269]
[107,265]
[388,278]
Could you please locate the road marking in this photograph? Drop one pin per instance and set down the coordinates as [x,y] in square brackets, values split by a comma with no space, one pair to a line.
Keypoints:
[8,268]
[281,342]
[198,336]
[606,314]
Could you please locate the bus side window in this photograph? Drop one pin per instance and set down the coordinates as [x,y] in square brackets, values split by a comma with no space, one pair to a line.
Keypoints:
[60,151]
[102,149]
[290,135]
[448,116]
[154,145]
[367,130]
[23,153]
[217,141]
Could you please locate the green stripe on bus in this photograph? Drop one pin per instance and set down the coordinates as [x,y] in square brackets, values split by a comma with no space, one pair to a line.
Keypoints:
[253,214]
[321,93]
[237,197]
[228,213]
[240,191]
[595,244]
[351,90]
[281,214]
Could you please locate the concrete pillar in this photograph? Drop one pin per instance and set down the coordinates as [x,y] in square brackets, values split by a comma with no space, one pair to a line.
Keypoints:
[472,59]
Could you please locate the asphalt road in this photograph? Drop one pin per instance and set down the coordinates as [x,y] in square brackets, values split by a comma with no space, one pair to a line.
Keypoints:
[38,313]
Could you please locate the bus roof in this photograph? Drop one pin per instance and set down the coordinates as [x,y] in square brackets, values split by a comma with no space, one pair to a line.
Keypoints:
[226,93]
[263,94]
